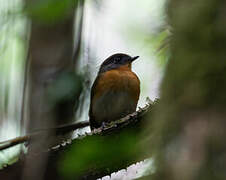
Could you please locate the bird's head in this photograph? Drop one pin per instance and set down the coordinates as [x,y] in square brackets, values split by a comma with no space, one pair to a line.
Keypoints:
[116,61]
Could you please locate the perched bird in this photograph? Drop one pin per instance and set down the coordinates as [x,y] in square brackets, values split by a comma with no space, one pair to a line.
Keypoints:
[115,91]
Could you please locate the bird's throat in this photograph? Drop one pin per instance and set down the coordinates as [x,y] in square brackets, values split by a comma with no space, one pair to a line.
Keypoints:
[126,67]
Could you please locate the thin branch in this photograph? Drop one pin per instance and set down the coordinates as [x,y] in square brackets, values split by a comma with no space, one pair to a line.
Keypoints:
[110,133]
[59,130]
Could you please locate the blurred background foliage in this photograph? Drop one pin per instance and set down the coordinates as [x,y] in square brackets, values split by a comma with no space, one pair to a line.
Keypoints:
[188,130]
[99,153]
[49,11]
[13,52]
[129,26]
[63,43]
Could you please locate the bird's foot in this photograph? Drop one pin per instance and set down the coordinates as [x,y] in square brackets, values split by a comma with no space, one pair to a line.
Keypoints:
[103,125]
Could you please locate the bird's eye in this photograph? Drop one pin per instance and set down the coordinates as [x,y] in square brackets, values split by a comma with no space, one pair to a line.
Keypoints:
[116,59]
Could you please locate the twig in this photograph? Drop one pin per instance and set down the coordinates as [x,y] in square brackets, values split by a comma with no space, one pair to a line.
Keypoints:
[59,130]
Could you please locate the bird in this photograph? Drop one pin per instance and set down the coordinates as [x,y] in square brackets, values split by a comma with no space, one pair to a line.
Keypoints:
[115,91]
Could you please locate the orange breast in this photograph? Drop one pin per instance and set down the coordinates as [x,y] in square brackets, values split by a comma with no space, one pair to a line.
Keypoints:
[115,94]
[118,80]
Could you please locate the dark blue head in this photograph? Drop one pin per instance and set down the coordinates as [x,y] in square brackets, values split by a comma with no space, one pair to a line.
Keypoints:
[115,61]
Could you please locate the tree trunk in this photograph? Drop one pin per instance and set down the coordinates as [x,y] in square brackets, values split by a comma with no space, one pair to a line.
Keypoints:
[189,127]
[50,74]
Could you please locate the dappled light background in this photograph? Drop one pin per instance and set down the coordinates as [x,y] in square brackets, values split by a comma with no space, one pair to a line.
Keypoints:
[130,26]
[50,53]
[13,35]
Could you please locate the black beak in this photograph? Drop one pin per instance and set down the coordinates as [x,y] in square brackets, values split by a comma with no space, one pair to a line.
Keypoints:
[134,58]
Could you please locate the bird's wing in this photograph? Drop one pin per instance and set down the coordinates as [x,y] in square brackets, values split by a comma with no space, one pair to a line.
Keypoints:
[91,117]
